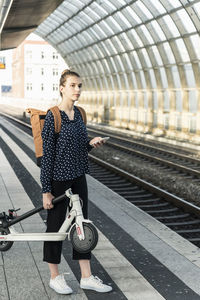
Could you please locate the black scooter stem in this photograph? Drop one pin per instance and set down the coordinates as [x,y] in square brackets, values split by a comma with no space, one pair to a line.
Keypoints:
[32,212]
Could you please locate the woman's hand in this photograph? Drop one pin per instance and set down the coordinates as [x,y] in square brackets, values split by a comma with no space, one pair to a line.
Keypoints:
[96,142]
[47,200]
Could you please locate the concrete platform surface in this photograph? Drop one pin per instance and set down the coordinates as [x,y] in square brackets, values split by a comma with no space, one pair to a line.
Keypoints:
[140,257]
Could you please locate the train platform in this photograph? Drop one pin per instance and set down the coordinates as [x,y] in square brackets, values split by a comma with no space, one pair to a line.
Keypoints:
[140,257]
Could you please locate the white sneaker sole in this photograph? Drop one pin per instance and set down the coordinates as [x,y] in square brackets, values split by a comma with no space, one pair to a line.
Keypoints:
[95,289]
[59,292]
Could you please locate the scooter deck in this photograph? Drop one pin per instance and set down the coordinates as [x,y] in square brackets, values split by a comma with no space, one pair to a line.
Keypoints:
[36,236]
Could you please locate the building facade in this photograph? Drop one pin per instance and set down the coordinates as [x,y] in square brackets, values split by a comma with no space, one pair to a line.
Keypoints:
[36,70]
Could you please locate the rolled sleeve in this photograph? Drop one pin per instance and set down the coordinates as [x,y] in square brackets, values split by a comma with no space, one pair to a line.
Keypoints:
[49,145]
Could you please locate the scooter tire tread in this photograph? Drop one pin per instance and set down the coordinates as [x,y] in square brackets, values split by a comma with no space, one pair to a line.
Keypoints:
[5,246]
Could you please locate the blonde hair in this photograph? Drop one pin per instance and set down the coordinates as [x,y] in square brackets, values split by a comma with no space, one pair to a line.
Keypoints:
[63,78]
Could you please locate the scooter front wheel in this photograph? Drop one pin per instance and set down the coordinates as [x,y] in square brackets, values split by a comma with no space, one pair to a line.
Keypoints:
[5,245]
[90,241]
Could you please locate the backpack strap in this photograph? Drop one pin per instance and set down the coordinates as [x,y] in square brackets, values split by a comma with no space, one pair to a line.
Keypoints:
[83,114]
[57,118]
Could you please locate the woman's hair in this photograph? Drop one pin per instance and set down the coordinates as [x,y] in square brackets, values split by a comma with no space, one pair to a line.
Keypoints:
[66,73]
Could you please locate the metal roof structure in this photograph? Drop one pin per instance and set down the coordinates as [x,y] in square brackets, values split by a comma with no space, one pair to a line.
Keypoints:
[18,18]
[124,45]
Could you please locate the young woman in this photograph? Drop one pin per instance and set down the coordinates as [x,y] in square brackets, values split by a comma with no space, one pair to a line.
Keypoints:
[64,165]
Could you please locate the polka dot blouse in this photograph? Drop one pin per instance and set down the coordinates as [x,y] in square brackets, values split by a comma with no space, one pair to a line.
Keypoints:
[65,156]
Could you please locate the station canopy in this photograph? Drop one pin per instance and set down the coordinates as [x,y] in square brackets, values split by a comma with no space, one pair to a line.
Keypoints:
[126,45]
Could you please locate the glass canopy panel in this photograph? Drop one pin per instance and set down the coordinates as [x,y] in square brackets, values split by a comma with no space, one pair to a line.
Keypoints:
[155,56]
[145,61]
[169,5]
[55,38]
[163,78]
[104,49]
[88,38]
[123,22]
[156,31]
[195,40]
[181,48]
[60,15]
[145,35]
[189,74]
[196,8]
[79,19]
[94,67]
[73,7]
[98,51]
[117,3]
[106,66]
[117,44]
[142,79]
[113,24]
[101,34]
[142,11]
[86,55]
[135,60]
[66,31]
[72,45]
[113,64]
[107,5]
[100,67]
[169,27]
[98,9]
[92,14]
[183,22]
[156,7]
[126,61]
[133,81]
[107,27]
[93,33]
[135,38]
[110,46]
[176,77]
[168,56]
[131,16]
[152,79]
[118,63]
[127,44]
[85,18]
[44,29]
[193,103]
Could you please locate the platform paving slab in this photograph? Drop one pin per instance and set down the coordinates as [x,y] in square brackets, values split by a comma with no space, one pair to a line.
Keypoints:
[141,226]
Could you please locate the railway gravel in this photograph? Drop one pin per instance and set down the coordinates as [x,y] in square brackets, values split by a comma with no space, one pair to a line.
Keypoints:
[172,181]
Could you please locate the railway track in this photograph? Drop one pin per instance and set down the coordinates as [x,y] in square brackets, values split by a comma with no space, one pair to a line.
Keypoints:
[176,213]
[183,162]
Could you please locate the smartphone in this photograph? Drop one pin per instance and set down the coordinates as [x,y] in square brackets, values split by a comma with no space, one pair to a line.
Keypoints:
[103,139]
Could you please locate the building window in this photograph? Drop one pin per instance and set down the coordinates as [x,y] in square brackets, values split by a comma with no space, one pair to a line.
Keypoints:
[55,72]
[29,86]
[42,87]
[55,87]
[42,54]
[55,55]
[42,71]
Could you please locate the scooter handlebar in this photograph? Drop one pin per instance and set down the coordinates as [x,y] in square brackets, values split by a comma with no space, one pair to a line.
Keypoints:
[32,212]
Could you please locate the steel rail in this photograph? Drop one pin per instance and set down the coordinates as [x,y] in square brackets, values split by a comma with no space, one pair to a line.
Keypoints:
[179,202]
[181,156]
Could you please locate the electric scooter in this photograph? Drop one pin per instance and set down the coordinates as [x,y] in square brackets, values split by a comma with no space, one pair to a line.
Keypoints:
[82,233]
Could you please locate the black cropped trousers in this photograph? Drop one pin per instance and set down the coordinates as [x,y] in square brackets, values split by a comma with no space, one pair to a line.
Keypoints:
[56,216]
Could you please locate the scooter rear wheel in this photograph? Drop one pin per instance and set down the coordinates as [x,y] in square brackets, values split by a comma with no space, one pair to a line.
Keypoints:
[5,245]
[90,241]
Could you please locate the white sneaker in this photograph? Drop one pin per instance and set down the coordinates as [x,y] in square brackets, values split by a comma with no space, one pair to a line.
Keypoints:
[94,283]
[59,285]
